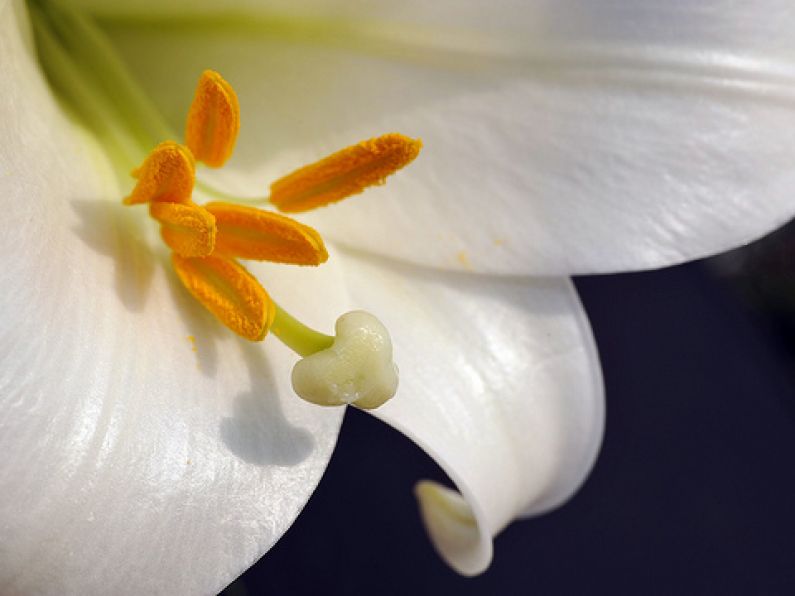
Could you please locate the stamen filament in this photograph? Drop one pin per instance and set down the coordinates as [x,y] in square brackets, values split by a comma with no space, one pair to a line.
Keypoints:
[301,339]
[221,195]
[97,59]
[82,96]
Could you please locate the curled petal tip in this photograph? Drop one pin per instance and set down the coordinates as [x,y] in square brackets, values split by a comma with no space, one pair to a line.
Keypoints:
[453,528]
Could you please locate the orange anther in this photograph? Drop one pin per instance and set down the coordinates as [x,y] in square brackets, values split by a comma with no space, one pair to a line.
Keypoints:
[230,292]
[250,233]
[187,228]
[344,173]
[213,120]
[167,174]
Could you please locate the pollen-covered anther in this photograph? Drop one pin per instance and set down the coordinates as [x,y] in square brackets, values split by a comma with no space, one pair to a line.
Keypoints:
[228,291]
[344,173]
[167,174]
[188,229]
[213,120]
[250,233]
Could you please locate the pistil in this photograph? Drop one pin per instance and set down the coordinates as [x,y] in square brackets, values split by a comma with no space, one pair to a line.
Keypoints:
[301,339]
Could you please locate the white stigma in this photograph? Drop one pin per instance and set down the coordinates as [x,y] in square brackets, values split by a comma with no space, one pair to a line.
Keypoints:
[357,369]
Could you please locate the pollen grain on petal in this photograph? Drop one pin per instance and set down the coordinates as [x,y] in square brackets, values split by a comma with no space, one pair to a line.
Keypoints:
[213,120]
[344,173]
[228,291]
[250,233]
[188,229]
[167,174]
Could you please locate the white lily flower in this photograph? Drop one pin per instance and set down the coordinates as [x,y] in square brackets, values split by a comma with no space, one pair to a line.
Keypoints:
[571,138]
[147,449]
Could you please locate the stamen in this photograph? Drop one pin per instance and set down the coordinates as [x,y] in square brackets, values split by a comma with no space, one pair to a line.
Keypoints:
[344,173]
[228,291]
[250,233]
[213,120]
[187,228]
[167,174]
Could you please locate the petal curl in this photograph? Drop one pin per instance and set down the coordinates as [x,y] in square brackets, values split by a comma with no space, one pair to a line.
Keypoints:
[560,137]
[500,384]
[134,459]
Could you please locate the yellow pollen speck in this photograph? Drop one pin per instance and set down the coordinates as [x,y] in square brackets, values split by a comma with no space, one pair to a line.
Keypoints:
[344,173]
[250,233]
[499,241]
[167,174]
[192,341]
[230,292]
[213,120]
[189,230]
[463,259]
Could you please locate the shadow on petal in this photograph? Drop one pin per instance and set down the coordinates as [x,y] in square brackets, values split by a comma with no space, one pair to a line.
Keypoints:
[105,228]
[258,433]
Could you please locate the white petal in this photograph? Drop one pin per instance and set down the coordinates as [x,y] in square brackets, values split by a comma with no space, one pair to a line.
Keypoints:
[499,383]
[133,459]
[560,137]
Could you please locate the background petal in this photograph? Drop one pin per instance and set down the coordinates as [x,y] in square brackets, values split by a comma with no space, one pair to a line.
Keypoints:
[560,137]
[499,382]
[145,449]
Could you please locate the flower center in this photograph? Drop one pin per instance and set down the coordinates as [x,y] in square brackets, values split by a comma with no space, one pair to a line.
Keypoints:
[207,240]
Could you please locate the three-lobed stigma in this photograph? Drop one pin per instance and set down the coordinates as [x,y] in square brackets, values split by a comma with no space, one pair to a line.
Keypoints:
[356,369]
[207,240]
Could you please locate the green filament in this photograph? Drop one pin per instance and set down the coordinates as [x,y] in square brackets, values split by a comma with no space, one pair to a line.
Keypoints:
[81,96]
[90,48]
[221,195]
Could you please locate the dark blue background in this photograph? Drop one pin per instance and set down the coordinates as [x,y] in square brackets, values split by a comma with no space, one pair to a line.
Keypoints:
[693,491]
